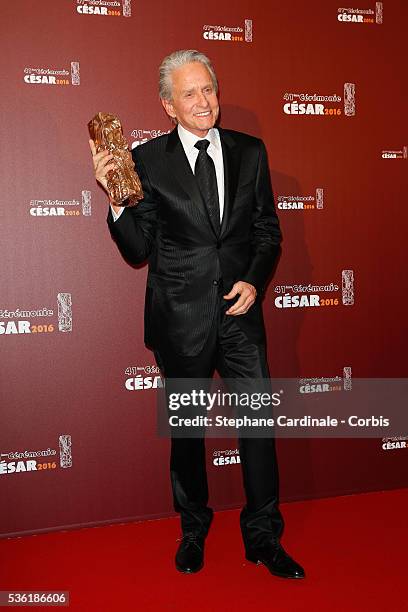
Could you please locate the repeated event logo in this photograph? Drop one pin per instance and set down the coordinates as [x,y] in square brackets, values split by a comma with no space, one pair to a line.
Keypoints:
[139,378]
[334,105]
[229,34]
[229,456]
[104,8]
[48,76]
[327,384]
[16,462]
[394,443]
[141,136]
[309,296]
[357,15]
[38,321]
[402,154]
[63,208]
[305,202]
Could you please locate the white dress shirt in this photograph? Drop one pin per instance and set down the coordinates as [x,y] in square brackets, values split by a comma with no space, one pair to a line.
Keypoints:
[188,140]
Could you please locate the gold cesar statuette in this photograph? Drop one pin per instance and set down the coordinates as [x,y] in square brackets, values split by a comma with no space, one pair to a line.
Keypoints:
[124,185]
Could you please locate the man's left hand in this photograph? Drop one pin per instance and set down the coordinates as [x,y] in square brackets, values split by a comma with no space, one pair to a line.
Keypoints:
[247,293]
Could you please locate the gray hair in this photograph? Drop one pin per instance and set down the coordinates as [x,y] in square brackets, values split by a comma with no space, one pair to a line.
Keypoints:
[176,60]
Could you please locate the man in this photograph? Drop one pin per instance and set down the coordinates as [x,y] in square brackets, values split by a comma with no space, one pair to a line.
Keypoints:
[208,228]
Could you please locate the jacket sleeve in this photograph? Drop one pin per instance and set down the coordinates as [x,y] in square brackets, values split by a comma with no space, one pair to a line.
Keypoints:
[266,234]
[135,230]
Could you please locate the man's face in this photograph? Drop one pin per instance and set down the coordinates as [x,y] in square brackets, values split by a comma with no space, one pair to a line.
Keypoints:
[194,103]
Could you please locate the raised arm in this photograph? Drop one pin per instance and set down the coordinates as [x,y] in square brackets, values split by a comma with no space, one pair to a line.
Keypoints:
[135,229]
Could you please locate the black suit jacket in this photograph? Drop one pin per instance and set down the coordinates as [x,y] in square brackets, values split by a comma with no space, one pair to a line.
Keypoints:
[171,228]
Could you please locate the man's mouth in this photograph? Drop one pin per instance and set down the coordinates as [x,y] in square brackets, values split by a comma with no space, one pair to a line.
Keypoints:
[204,114]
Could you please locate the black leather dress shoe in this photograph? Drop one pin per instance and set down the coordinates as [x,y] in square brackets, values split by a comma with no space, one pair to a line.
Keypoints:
[190,553]
[277,560]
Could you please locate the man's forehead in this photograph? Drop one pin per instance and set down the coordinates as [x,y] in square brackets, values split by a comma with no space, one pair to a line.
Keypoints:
[191,75]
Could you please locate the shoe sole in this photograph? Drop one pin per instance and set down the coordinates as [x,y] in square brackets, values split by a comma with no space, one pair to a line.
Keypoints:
[260,562]
[189,571]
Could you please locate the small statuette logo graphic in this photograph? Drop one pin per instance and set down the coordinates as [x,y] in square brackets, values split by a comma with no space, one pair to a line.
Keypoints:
[378,12]
[65,448]
[248,30]
[349,99]
[319,197]
[64,312]
[75,76]
[347,384]
[127,9]
[405,152]
[347,287]
[86,203]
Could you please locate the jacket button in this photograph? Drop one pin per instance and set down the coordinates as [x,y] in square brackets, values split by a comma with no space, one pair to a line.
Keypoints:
[215,282]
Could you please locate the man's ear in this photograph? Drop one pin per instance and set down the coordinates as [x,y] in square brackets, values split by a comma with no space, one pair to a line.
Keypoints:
[169,108]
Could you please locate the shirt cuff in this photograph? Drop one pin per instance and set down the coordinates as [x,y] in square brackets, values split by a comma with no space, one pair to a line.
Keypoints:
[115,214]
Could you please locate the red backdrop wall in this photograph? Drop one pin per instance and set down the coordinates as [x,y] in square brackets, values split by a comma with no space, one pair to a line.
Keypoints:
[78,439]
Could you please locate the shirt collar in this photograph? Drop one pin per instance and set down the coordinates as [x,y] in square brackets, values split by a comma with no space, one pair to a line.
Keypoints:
[188,139]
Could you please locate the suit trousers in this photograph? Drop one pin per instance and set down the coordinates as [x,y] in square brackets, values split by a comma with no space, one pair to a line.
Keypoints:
[229,351]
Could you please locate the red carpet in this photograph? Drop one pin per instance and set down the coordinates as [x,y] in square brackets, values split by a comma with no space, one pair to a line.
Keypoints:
[353,548]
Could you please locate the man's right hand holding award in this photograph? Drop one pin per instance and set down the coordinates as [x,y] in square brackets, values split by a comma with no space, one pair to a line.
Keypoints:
[103,163]
[118,177]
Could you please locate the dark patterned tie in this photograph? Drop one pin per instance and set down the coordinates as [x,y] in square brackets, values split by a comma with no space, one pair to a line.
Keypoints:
[204,171]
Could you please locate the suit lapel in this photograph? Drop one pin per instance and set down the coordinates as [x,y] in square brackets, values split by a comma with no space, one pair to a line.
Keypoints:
[231,154]
[181,170]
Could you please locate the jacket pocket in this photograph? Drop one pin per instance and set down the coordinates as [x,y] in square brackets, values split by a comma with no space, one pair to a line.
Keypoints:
[167,283]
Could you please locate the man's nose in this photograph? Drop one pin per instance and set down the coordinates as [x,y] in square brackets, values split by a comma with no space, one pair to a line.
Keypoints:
[202,99]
